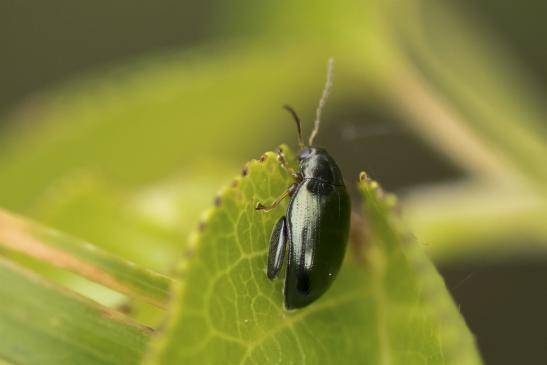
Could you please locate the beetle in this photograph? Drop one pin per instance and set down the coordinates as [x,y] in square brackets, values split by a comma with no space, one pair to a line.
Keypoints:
[315,228]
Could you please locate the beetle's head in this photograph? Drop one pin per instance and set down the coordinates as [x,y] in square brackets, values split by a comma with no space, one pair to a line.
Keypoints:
[308,152]
[315,162]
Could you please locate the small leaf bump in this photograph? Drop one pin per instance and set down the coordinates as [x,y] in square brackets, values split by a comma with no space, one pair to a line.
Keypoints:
[245,170]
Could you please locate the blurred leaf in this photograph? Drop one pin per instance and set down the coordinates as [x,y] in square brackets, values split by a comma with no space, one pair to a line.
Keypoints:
[156,219]
[490,108]
[57,249]
[165,116]
[42,324]
[463,93]
[85,205]
[469,221]
[388,307]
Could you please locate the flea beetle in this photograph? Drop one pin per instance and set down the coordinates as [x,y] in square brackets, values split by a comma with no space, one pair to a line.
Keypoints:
[315,227]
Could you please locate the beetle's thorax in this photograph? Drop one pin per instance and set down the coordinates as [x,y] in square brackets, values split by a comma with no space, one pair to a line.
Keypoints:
[316,163]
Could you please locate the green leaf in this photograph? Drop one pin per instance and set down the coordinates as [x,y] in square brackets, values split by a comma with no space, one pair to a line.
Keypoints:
[415,309]
[43,324]
[388,305]
[57,249]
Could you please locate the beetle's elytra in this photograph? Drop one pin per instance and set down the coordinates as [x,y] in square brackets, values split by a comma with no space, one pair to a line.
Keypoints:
[315,227]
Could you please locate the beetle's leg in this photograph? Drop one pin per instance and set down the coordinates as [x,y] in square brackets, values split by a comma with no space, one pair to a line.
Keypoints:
[278,241]
[283,162]
[288,192]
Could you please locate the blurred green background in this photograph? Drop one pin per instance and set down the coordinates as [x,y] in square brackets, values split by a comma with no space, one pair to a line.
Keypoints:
[133,114]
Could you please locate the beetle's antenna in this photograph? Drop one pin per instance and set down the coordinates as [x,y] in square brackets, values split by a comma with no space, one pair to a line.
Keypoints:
[322,101]
[297,121]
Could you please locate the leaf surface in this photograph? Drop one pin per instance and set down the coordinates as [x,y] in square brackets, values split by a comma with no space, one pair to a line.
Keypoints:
[60,250]
[43,324]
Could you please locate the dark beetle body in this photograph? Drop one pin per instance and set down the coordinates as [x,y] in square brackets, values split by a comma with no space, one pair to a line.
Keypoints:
[315,230]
